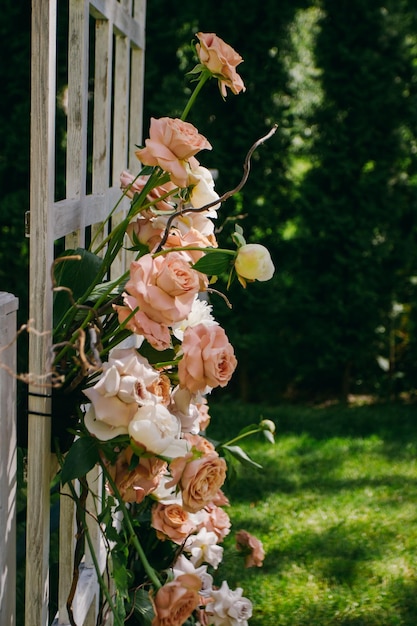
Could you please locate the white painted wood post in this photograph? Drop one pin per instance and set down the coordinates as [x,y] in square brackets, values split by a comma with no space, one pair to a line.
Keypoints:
[42,187]
[8,459]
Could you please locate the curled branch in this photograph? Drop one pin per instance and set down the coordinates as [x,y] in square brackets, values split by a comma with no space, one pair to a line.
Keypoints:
[227,194]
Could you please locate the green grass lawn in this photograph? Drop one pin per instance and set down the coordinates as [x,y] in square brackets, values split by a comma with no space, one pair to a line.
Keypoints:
[336,509]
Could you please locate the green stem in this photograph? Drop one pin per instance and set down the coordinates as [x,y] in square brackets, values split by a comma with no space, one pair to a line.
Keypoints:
[203,79]
[187,248]
[240,437]
[133,536]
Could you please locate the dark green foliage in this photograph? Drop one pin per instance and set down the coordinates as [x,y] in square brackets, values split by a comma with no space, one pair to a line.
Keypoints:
[332,194]
[14,147]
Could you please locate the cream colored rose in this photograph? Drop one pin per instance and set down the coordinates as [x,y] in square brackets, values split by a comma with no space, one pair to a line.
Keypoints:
[208,360]
[202,191]
[221,59]
[171,522]
[176,600]
[154,429]
[115,397]
[254,262]
[171,144]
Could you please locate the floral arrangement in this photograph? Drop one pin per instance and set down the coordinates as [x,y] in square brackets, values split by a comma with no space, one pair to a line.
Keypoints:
[135,359]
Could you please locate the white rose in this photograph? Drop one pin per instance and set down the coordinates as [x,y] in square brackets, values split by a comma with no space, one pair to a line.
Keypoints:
[184,566]
[228,607]
[203,548]
[254,262]
[156,430]
[203,191]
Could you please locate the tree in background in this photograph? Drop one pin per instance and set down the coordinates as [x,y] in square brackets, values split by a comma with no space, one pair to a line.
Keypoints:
[354,248]
[333,193]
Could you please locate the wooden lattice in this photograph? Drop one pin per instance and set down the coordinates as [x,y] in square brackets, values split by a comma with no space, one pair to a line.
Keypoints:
[103,103]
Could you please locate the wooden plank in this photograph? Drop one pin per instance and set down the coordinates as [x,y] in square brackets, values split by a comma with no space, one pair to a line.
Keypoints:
[120,128]
[69,214]
[123,23]
[102,115]
[77,119]
[8,459]
[43,96]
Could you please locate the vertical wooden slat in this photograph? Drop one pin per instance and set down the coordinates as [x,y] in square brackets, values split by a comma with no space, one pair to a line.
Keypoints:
[40,307]
[78,31]
[8,459]
[102,113]
[120,126]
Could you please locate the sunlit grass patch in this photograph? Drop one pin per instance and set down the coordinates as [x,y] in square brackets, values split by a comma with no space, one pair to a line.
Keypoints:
[337,515]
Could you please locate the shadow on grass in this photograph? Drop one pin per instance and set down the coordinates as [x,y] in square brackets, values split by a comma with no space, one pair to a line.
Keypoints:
[391,422]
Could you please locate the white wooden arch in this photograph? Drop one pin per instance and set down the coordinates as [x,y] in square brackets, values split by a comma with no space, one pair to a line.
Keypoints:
[106,38]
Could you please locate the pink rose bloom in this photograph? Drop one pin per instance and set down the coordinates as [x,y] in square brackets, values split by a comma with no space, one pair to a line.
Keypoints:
[192,238]
[163,287]
[171,144]
[214,519]
[171,522]
[209,359]
[204,419]
[176,600]
[126,182]
[156,334]
[199,479]
[146,231]
[251,547]
[221,59]
[134,485]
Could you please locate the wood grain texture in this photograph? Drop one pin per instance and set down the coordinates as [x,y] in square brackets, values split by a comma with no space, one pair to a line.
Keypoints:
[119,43]
[8,459]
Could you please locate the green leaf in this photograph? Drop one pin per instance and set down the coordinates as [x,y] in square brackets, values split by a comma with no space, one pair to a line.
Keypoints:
[80,459]
[77,275]
[214,263]
[241,456]
[143,607]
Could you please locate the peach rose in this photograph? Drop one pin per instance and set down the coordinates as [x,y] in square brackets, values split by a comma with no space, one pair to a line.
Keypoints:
[172,143]
[134,485]
[199,479]
[251,547]
[135,185]
[163,287]
[171,522]
[192,238]
[209,359]
[156,334]
[221,60]
[146,231]
[214,519]
[176,600]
